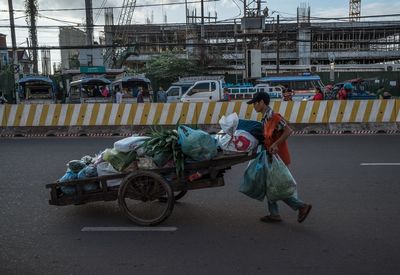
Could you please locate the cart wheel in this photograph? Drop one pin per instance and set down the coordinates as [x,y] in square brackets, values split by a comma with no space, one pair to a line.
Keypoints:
[138,198]
[178,195]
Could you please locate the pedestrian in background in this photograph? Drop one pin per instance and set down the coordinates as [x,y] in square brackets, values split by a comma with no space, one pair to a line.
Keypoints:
[118,95]
[344,92]
[319,94]
[140,96]
[287,93]
[227,96]
[329,94]
[276,131]
[161,95]
[105,92]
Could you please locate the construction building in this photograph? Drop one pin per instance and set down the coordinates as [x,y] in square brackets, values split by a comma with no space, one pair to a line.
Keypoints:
[302,43]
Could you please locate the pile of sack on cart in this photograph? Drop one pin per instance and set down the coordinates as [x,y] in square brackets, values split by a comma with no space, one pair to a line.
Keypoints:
[164,148]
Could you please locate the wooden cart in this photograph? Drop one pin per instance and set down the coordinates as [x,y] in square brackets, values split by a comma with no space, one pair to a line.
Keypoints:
[147,197]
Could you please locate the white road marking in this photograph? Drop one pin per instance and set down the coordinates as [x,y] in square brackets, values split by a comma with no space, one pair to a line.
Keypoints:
[129,228]
[380,164]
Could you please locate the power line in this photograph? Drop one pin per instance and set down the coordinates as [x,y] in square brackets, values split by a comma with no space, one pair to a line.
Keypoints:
[58,20]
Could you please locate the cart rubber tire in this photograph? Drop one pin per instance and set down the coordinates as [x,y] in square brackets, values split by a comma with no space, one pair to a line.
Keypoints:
[142,188]
[178,195]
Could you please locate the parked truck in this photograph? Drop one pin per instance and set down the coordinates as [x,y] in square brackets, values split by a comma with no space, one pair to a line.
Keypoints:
[213,90]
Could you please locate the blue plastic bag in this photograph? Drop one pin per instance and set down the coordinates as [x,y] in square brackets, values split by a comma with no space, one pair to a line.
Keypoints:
[280,183]
[89,171]
[197,144]
[69,175]
[255,177]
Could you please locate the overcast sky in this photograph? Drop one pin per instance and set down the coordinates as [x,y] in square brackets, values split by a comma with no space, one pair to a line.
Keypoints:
[225,9]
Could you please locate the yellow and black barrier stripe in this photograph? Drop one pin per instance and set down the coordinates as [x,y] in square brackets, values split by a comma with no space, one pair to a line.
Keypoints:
[109,114]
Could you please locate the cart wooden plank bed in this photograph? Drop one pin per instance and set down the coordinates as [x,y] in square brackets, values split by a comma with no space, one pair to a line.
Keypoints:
[145,196]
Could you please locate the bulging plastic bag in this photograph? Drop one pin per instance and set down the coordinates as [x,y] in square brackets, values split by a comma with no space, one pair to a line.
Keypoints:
[89,171]
[241,141]
[255,178]
[119,160]
[244,141]
[68,176]
[104,169]
[225,142]
[129,144]
[197,144]
[280,182]
[229,123]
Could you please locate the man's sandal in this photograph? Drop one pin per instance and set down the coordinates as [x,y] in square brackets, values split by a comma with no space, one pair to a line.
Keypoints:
[303,212]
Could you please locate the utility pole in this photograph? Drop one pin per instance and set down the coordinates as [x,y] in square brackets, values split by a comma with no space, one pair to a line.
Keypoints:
[32,6]
[277,44]
[89,22]
[14,49]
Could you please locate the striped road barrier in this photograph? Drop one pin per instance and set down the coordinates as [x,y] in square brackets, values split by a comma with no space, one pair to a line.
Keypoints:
[108,114]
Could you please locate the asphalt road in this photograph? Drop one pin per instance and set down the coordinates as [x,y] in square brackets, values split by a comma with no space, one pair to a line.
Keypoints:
[354,227]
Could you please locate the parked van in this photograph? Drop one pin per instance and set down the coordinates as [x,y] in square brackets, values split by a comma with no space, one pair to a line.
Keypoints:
[179,88]
[213,90]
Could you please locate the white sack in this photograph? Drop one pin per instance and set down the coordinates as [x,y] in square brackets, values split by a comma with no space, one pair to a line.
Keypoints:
[229,123]
[129,144]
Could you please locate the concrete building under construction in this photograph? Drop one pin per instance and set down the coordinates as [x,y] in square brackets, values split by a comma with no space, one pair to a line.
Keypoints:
[300,42]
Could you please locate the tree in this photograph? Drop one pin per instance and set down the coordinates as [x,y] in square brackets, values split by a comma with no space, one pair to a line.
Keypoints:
[168,67]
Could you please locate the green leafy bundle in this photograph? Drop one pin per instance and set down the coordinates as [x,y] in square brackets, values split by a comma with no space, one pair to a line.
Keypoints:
[163,146]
